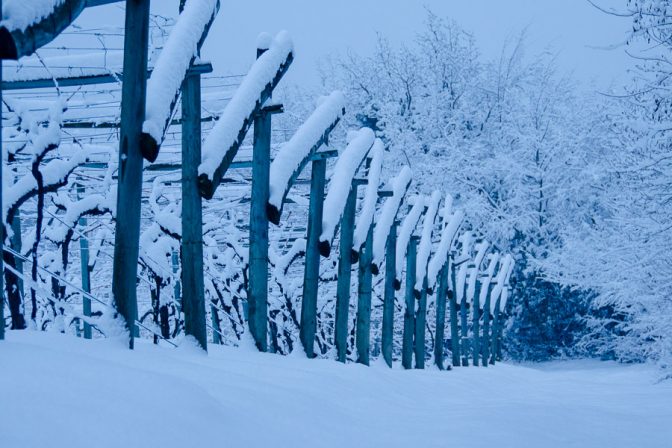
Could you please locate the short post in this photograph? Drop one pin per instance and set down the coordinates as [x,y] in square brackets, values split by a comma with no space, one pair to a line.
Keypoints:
[258,259]
[129,195]
[177,291]
[84,267]
[311,274]
[440,317]
[409,312]
[388,300]
[494,344]
[2,230]
[193,294]
[344,274]
[365,277]
[486,341]
[476,328]
[454,329]
[464,331]
[420,322]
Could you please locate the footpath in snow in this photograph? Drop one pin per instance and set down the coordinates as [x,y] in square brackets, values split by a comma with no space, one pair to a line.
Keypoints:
[59,391]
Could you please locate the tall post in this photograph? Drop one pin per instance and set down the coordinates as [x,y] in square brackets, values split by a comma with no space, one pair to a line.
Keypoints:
[420,322]
[440,317]
[311,274]
[409,312]
[193,295]
[344,266]
[84,268]
[2,227]
[133,93]
[258,259]
[454,329]
[494,344]
[485,342]
[464,331]
[363,333]
[388,300]
[476,328]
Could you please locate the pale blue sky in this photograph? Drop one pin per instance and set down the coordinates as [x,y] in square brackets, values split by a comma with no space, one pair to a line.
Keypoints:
[574,29]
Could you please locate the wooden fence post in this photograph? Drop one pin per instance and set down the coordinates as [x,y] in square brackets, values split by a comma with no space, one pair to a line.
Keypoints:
[388,300]
[420,323]
[311,274]
[84,267]
[193,289]
[440,317]
[365,277]
[133,97]
[486,340]
[476,328]
[454,329]
[177,288]
[344,274]
[464,330]
[494,338]
[409,312]
[2,228]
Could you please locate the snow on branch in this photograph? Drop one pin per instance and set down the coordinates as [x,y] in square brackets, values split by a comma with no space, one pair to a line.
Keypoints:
[227,135]
[425,246]
[481,250]
[30,24]
[407,228]
[341,183]
[295,154]
[452,224]
[387,216]
[365,218]
[178,54]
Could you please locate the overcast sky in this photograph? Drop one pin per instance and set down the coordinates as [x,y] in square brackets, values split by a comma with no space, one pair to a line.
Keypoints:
[574,29]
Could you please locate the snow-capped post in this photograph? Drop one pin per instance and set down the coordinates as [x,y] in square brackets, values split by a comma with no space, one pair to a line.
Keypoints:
[461,299]
[193,288]
[454,328]
[485,294]
[495,301]
[344,270]
[341,184]
[84,266]
[420,322]
[388,300]
[257,297]
[127,234]
[297,152]
[440,317]
[170,71]
[473,295]
[464,326]
[409,311]
[227,135]
[30,25]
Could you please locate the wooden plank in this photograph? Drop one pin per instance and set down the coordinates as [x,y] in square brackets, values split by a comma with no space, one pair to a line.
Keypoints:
[420,324]
[454,328]
[311,274]
[84,267]
[388,300]
[409,312]
[193,290]
[344,274]
[365,279]
[127,236]
[475,325]
[464,330]
[258,250]
[494,338]
[2,228]
[92,3]
[440,317]
[19,43]
[485,345]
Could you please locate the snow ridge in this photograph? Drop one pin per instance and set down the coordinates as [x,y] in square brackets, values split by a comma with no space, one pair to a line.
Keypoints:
[425,247]
[365,218]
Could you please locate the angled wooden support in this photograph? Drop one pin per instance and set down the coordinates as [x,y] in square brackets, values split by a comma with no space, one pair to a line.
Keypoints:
[365,279]
[193,290]
[84,267]
[19,42]
[420,323]
[257,296]
[409,312]
[344,274]
[441,317]
[454,328]
[311,275]
[127,236]
[475,325]
[388,300]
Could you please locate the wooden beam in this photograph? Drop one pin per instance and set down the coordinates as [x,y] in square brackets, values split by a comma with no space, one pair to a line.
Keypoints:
[409,311]
[485,349]
[440,317]
[475,324]
[494,344]
[420,324]
[464,330]
[365,279]
[311,275]
[454,328]
[92,3]
[388,300]
[127,236]
[193,290]
[84,267]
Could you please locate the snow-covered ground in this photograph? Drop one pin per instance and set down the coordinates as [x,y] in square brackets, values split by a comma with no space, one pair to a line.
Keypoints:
[58,391]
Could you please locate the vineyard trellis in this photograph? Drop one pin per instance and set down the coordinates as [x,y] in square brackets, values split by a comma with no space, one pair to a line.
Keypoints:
[199,247]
